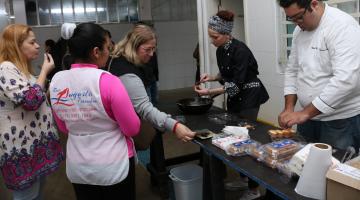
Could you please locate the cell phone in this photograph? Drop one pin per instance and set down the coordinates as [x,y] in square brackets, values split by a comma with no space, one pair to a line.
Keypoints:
[47,56]
[204,134]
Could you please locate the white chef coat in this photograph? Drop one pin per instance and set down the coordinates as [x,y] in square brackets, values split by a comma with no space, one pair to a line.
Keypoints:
[324,66]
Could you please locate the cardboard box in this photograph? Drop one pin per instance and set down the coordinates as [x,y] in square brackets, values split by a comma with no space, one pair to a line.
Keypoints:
[343,181]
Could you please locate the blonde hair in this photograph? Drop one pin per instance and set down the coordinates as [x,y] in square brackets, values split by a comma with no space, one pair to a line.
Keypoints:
[11,40]
[128,46]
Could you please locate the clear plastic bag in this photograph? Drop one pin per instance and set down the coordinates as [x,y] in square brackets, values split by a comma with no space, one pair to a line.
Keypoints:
[283,168]
[257,152]
[225,140]
[241,148]
[271,162]
[223,118]
[281,149]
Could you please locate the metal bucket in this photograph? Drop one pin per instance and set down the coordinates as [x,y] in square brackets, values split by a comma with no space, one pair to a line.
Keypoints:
[187,181]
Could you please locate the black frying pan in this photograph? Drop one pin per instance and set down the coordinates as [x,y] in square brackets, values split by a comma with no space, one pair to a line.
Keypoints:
[196,105]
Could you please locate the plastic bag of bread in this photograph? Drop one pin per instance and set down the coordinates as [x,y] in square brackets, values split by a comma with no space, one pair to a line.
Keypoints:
[224,142]
[271,162]
[240,148]
[282,148]
[256,152]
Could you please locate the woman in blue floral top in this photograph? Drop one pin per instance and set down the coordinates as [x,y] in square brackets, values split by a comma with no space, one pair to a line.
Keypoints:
[29,144]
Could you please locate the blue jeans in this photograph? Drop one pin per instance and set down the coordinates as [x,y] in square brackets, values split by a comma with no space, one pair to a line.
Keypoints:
[339,133]
[32,193]
[152,92]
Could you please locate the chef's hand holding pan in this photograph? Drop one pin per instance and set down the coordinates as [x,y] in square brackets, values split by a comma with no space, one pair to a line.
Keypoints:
[201,91]
[183,133]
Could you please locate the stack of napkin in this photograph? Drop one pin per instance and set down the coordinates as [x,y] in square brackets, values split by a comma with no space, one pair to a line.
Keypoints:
[236,131]
[232,134]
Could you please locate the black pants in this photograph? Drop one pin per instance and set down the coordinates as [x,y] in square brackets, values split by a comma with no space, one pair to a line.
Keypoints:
[250,113]
[123,190]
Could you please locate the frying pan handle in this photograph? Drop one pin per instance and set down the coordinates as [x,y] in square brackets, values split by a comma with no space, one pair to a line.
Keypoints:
[212,97]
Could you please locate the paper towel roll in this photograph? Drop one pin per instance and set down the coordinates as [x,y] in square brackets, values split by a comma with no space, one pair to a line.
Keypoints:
[312,182]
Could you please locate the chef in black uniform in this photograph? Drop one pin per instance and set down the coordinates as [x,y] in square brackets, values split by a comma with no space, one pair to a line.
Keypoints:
[238,72]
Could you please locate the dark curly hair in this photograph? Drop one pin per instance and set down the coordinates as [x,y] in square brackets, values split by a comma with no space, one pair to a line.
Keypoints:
[226,15]
[300,3]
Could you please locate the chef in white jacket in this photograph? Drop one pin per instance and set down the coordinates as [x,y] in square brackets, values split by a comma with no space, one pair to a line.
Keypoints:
[323,74]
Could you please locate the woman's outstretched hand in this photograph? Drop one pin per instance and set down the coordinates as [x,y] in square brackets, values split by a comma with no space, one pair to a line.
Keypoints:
[184,133]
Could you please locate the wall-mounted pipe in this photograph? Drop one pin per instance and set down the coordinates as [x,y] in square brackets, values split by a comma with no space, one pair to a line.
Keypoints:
[9,6]
[202,16]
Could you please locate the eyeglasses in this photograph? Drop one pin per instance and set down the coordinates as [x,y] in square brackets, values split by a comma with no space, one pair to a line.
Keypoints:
[149,49]
[298,18]
[111,48]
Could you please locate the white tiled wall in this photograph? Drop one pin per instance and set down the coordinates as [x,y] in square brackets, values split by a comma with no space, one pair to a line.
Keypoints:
[44,33]
[20,17]
[3,15]
[176,43]
[261,36]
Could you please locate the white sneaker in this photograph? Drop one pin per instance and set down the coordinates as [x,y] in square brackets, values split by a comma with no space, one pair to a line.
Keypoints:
[250,195]
[238,184]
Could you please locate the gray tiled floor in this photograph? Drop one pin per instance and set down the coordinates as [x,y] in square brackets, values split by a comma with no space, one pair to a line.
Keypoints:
[59,188]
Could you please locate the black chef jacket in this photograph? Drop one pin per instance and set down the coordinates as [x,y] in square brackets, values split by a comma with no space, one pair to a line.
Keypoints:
[239,70]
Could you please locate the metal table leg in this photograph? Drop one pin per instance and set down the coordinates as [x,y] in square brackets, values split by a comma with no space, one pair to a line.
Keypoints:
[213,177]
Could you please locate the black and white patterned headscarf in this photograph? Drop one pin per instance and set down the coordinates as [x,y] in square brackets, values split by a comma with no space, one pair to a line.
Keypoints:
[221,26]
